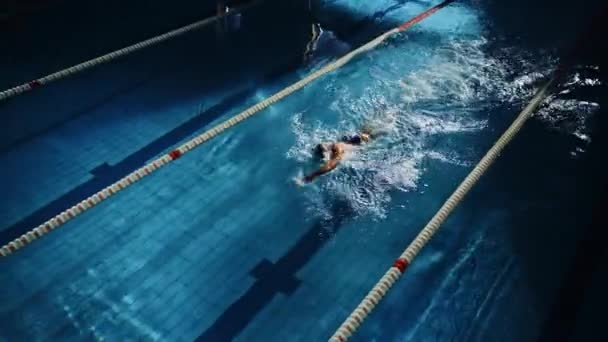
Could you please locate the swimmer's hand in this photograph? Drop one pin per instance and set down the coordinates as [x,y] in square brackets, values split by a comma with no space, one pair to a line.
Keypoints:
[299,181]
[302,180]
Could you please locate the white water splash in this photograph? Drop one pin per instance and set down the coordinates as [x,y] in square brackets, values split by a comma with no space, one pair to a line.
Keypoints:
[449,98]
[570,115]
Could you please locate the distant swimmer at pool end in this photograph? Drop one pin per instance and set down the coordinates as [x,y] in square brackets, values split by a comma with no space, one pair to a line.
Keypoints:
[334,152]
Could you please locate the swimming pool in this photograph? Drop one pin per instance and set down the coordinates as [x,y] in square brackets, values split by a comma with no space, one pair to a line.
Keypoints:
[222,244]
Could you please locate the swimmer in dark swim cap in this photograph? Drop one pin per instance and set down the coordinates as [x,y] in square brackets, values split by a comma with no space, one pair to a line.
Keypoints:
[333,152]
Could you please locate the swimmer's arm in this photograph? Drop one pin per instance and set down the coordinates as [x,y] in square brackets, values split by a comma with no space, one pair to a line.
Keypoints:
[329,166]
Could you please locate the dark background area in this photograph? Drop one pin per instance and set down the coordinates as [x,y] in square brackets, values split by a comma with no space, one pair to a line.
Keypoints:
[60,34]
[579,310]
[576,32]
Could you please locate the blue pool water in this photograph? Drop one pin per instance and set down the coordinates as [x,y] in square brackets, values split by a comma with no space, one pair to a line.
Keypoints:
[222,244]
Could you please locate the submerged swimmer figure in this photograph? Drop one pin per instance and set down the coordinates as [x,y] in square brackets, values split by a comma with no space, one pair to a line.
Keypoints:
[311,46]
[334,152]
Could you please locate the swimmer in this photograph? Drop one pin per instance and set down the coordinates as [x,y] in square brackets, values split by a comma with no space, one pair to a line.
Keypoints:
[311,46]
[334,152]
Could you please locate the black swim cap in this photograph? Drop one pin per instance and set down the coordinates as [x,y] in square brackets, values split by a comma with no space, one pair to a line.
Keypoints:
[319,150]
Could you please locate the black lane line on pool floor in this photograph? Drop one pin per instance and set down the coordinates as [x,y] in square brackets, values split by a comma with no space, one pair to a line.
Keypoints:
[275,278]
[105,175]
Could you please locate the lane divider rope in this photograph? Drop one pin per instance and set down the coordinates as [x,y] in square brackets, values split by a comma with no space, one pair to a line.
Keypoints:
[140,173]
[37,83]
[377,293]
